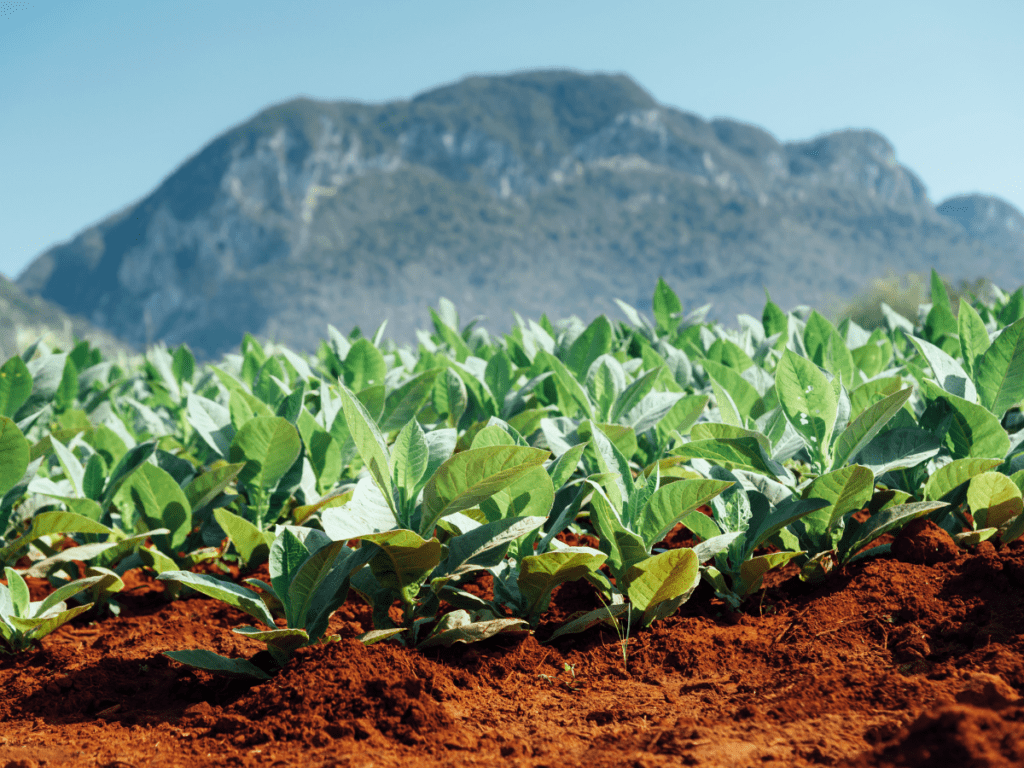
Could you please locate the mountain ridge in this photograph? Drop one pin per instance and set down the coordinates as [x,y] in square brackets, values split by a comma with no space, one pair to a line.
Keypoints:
[537,191]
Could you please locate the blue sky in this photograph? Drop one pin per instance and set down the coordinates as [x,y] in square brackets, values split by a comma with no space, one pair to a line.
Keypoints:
[101,99]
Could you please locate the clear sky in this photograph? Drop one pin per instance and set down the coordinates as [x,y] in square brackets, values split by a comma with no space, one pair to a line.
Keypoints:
[101,99]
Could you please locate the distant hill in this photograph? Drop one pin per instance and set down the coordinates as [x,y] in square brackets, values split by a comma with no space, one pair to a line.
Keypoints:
[26,318]
[548,191]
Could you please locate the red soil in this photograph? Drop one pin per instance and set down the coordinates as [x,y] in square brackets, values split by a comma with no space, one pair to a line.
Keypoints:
[894,662]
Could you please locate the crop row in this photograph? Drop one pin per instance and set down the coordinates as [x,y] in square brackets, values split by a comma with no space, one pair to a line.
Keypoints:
[401,475]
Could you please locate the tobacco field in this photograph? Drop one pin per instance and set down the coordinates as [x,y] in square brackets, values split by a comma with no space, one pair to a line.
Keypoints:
[657,541]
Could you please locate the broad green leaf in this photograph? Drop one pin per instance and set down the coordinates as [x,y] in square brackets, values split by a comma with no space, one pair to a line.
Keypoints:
[826,349]
[490,539]
[953,475]
[268,445]
[740,390]
[948,372]
[730,355]
[866,425]
[973,431]
[575,397]
[409,458]
[18,590]
[595,341]
[15,386]
[402,404]
[39,627]
[898,449]
[999,371]
[252,543]
[622,546]
[712,430]
[366,512]
[402,558]
[846,490]
[564,467]
[633,394]
[469,477]
[871,392]
[731,453]
[540,574]
[658,585]
[459,627]
[238,597]
[14,454]
[287,554]
[371,444]
[807,399]
[766,521]
[993,498]
[670,504]
[666,307]
[702,526]
[219,665]
[530,494]
[364,366]
[209,485]
[973,336]
[302,591]
[212,421]
[160,502]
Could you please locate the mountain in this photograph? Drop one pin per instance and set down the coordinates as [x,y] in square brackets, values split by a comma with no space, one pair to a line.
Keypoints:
[27,318]
[548,191]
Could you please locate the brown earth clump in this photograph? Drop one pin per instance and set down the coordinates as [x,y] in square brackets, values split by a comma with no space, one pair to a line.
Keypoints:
[892,662]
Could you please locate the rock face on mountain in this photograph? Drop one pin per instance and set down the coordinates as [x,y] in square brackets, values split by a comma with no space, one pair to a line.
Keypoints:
[547,191]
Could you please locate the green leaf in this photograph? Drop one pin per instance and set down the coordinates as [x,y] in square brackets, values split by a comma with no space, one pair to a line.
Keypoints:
[209,485]
[999,371]
[671,503]
[402,558]
[219,665]
[252,543]
[540,574]
[595,341]
[409,458]
[742,392]
[160,502]
[371,445]
[18,589]
[666,307]
[574,398]
[402,404]
[563,468]
[972,431]
[993,498]
[808,400]
[950,477]
[898,449]
[364,366]
[846,490]
[301,593]
[268,445]
[826,349]
[459,627]
[661,583]
[366,512]
[243,599]
[866,425]
[14,455]
[745,453]
[15,386]
[469,477]
[948,372]
[973,336]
